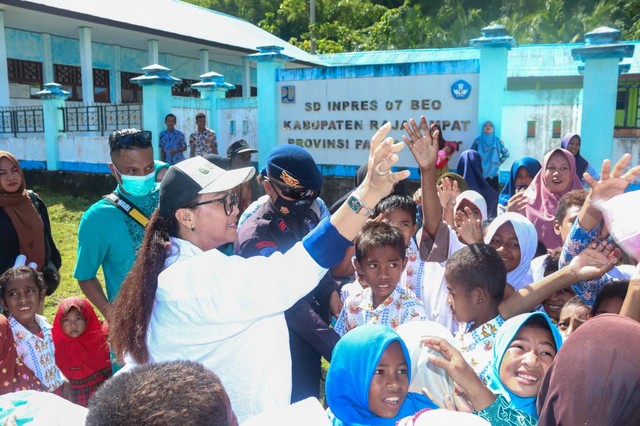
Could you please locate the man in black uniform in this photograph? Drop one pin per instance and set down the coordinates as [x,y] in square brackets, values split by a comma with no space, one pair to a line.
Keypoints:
[292,181]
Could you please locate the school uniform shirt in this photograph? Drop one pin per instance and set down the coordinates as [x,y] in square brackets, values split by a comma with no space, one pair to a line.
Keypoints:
[109,238]
[400,307]
[216,310]
[411,278]
[476,345]
[37,352]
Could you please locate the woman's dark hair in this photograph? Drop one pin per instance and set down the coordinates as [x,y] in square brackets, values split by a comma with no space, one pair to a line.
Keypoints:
[129,317]
[21,272]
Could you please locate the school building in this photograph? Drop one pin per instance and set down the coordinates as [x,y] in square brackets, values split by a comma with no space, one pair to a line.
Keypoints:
[72,72]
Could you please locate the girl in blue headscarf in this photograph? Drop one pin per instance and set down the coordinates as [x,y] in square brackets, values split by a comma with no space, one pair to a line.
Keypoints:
[524,348]
[522,172]
[368,379]
[492,151]
[470,167]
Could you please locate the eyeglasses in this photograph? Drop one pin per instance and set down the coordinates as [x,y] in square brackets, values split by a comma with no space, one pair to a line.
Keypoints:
[141,139]
[294,193]
[230,200]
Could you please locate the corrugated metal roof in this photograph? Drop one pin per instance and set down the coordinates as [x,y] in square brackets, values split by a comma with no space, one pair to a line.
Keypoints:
[544,60]
[183,19]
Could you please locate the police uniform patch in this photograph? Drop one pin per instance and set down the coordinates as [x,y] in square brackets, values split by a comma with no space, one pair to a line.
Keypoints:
[264,244]
[282,225]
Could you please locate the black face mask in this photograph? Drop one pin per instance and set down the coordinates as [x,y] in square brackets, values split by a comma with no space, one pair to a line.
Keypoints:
[294,209]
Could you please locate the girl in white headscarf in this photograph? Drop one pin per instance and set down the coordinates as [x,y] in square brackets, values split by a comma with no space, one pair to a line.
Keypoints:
[516,240]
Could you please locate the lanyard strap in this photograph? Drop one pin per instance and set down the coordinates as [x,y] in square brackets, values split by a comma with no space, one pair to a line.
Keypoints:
[128,208]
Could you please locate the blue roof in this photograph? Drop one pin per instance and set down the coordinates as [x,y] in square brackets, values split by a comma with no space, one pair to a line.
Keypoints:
[541,60]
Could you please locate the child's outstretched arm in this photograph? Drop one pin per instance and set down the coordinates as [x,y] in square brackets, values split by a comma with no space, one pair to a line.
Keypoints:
[631,304]
[592,262]
[424,148]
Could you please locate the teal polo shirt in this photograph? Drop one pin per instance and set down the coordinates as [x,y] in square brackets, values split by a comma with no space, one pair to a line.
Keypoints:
[109,238]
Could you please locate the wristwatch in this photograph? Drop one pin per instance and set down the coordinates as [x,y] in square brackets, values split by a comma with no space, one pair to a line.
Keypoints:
[356,204]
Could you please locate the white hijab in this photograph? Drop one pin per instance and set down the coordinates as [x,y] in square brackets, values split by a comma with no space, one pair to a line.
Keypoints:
[476,199]
[528,240]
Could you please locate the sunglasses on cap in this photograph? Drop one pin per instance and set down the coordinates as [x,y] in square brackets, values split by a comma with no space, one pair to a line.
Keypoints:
[141,139]
[294,193]
[229,201]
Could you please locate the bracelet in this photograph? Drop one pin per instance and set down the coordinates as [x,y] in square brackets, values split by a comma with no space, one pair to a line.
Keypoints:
[358,205]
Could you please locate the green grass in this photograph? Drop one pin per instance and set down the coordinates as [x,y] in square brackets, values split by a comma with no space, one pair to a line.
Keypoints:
[65,212]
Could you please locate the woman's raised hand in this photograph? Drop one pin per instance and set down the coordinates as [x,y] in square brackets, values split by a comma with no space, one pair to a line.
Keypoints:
[383,155]
[612,182]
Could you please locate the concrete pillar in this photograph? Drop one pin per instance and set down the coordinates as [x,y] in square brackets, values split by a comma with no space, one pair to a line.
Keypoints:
[4,73]
[269,60]
[213,87]
[601,55]
[204,61]
[53,98]
[86,64]
[47,59]
[246,78]
[153,51]
[116,95]
[494,48]
[156,100]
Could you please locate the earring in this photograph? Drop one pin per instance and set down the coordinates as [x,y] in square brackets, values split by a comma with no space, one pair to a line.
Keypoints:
[193,228]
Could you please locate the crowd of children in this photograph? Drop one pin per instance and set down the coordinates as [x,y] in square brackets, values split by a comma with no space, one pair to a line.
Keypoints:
[503,280]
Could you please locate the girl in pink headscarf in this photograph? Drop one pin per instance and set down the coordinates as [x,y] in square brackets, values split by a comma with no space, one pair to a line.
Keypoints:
[556,178]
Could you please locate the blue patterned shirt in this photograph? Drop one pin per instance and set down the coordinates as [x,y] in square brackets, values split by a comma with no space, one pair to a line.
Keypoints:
[577,240]
[170,141]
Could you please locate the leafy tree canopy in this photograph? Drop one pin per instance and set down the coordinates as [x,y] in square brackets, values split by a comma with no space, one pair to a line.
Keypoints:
[357,25]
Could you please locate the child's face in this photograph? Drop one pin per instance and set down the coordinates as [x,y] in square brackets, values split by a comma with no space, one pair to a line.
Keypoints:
[563,228]
[527,360]
[390,383]
[404,221]
[382,268]
[462,303]
[505,241]
[523,177]
[73,323]
[170,122]
[610,305]
[22,299]
[553,305]
[571,317]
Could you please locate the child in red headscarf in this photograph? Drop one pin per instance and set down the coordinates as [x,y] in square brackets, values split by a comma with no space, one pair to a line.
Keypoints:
[82,351]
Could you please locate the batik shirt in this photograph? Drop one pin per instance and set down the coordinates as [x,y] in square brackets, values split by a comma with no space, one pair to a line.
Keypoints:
[412,275]
[37,352]
[170,141]
[401,306]
[477,345]
[577,240]
[203,142]
[500,413]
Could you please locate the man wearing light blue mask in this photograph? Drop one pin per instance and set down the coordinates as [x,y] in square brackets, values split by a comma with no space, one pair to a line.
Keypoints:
[112,229]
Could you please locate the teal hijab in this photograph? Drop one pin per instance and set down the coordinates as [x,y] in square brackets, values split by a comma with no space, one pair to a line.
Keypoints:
[354,361]
[504,337]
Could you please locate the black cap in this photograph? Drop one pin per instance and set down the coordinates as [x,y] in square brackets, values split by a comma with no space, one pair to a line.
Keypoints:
[238,147]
